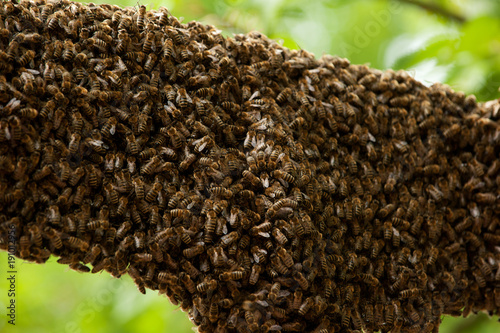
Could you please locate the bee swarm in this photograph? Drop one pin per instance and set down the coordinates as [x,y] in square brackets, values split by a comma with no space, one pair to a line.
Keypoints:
[258,187]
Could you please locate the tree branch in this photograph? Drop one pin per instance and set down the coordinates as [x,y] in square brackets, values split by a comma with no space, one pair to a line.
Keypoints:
[435,8]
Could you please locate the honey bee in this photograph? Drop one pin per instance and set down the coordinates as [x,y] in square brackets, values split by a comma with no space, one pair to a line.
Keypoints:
[230,238]
[279,174]
[259,255]
[142,257]
[136,277]
[76,242]
[153,192]
[188,282]
[297,123]
[25,244]
[285,257]
[301,280]
[125,21]
[231,276]
[472,238]
[206,286]
[150,167]
[343,188]
[485,198]
[44,172]
[193,251]
[433,255]
[140,17]
[148,42]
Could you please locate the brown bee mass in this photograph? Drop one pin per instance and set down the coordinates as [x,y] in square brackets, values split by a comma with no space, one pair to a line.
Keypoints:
[256,186]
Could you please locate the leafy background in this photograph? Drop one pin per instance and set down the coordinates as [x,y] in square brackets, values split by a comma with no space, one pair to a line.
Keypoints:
[452,41]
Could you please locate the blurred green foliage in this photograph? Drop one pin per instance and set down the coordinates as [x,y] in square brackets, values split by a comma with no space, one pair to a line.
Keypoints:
[452,41]
[53,298]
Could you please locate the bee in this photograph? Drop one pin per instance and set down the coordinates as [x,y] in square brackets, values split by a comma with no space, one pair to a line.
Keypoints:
[153,192]
[25,244]
[183,98]
[150,62]
[79,267]
[74,143]
[148,42]
[485,198]
[206,286]
[20,170]
[27,209]
[346,317]
[116,17]
[205,92]
[79,194]
[261,66]
[77,243]
[230,106]
[132,144]
[351,163]
[123,229]
[150,167]
[258,254]
[432,169]
[213,313]
[449,281]
[123,41]
[301,280]
[142,257]
[15,128]
[231,276]
[168,48]
[343,188]
[305,306]
[285,257]
[274,291]
[190,158]
[125,22]
[472,238]
[477,168]
[36,235]
[138,187]
[185,237]
[279,174]
[27,57]
[109,127]
[92,255]
[388,231]
[193,251]
[179,213]
[140,17]
[484,267]
[261,228]
[104,264]
[175,137]
[251,178]
[298,123]
[254,274]
[44,172]
[100,45]
[433,255]
[230,238]
[410,293]
[221,192]
[136,277]
[188,282]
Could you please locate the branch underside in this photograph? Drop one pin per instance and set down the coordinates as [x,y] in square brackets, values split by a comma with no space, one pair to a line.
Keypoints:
[258,187]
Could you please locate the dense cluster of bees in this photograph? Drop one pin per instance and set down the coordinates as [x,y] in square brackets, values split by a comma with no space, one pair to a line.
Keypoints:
[258,187]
